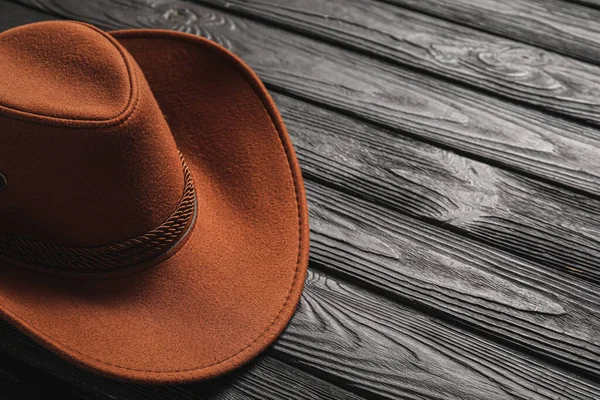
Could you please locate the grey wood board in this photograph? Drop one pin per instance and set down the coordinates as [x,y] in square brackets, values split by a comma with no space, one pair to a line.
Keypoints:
[337,150]
[387,350]
[433,110]
[538,221]
[18,381]
[491,63]
[493,293]
[559,26]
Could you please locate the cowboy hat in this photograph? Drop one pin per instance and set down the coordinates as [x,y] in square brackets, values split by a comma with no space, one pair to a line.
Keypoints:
[153,221]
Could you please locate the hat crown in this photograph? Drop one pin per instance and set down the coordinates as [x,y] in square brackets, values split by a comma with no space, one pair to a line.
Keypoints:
[63,70]
[87,155]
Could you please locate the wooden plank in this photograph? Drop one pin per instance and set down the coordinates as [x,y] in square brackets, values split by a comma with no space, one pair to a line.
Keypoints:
[16,345]
[266,378]
[500,66]
[566,28]
[436,111]
[285,382]
[12,384]
[529,218]
[516,302]
[534,220]
[386,350]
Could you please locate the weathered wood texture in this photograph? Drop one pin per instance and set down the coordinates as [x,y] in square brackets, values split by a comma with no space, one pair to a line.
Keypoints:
[499,66]
[433,110]
[525,217]
[386,350]
[590,3]
[560,26]
[456,279]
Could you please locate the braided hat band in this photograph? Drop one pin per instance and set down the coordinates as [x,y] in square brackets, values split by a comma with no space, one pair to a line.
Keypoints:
[116,256]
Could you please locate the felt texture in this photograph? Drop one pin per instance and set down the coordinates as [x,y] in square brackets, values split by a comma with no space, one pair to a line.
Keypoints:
[77,75]
[81,182]
[231,289]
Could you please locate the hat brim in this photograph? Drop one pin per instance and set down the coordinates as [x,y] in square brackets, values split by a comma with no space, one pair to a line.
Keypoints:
[231,289]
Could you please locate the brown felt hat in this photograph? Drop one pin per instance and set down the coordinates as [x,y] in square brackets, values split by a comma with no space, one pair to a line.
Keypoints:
[153,221]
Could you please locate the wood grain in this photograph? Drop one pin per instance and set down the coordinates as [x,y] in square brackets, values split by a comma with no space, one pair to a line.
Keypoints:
[457,279]
[435,111]
[266,378]
[537,221]
[285,382]
[499,66]
[385,350]
[556,25]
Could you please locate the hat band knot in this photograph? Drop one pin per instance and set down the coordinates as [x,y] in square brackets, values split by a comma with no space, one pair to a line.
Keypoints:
[118,256]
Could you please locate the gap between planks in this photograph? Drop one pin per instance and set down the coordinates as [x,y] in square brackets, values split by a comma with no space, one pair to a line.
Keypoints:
[589,3]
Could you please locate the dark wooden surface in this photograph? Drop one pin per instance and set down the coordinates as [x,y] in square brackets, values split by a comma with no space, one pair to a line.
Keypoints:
[561,26]
[452,156]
